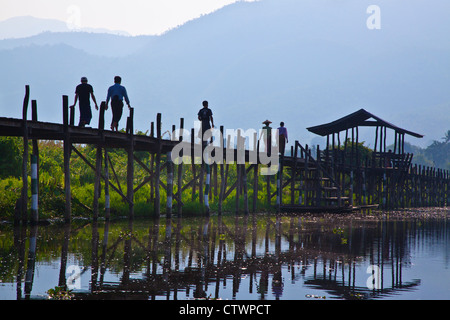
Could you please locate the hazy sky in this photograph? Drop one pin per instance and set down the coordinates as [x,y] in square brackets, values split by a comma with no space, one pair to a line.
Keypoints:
[133,16]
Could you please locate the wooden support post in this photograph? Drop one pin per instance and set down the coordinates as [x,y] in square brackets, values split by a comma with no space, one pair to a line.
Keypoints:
[327,150]
[244,180]
[34,118]
[101,116]
[395,143]
[169,185]
[255,188]
[292,187]
[67,152]
[268,195]
[158,166]
[279,184]
[34,170]
[319,174]
[207,186]
[448,188]
[238,171]
[306,180]
[255,172]
[130,166]
[376,140]
[200,183]
[222,173]
[384,140]
[152,159]
[364,193]
[384,190]
[351,187]
[352,155]
[98,168]
[107,197]
[357,149]
[381,139]
[98,161]
[294,173]
[214,181]
[24,195]
[34,190]
[180,173]
[238,185]
[193,163]
[72,115]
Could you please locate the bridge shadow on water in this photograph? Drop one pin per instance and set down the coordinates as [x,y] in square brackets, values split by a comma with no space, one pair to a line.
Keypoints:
[256,256]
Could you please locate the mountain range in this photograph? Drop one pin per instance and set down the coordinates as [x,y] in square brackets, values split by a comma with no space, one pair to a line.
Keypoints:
[304,62]
[27,26]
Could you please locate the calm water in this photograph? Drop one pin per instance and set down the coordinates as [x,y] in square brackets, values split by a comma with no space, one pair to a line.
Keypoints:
[254,257]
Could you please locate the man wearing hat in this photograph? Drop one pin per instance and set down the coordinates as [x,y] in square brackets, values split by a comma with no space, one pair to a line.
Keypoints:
[84,92]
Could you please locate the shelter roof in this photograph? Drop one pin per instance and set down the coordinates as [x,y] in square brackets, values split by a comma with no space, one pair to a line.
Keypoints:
[360,118]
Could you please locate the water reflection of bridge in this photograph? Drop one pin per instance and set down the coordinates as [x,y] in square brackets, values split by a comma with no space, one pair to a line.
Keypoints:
[200,262]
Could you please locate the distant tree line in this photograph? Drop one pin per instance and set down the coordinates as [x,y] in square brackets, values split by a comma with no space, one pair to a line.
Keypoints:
[435,155]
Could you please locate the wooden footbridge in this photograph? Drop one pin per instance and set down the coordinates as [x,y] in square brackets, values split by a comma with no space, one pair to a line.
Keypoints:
[338,179]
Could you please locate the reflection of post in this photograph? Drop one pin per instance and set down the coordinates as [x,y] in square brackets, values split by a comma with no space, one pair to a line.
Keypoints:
[237,256]
[19,241]
[64,251]
[94,256]
[103,256]
[220,252]
[167,251]
[153,241]
[277,236]
[127,255]
[31,261]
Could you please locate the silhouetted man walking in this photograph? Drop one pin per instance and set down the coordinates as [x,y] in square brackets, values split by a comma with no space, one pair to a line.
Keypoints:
[83,93]
[117,93]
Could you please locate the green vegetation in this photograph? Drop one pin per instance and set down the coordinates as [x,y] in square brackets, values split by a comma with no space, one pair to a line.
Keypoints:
[51,180]
[51,183]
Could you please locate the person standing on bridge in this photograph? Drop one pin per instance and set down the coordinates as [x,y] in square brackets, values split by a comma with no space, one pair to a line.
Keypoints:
[84,92]
[205,116]
[282,137]
[116,93]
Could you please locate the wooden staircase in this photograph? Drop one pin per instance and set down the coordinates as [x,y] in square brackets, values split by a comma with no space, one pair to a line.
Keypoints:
[318,188]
